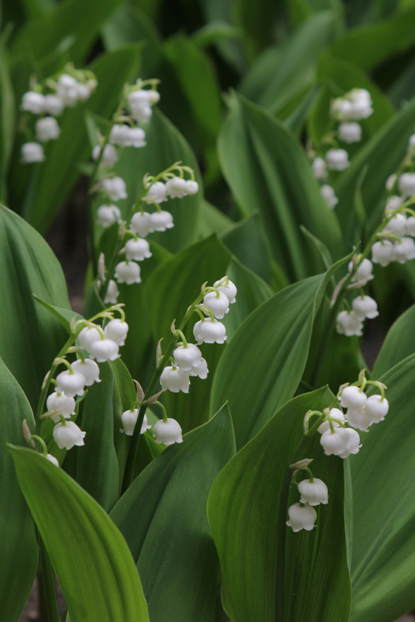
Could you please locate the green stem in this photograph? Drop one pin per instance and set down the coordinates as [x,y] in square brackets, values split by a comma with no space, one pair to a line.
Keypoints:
[47,584]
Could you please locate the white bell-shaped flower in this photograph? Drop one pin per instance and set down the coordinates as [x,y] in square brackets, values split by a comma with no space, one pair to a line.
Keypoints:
[301,517]
[141,224]
[33,102]
[115,188]
[176,188]
[70,384]
[404,250]
[394,202]
[349,132]
[396,225]
[361,104]
[139,97]
[153,97]
[406,184]
[209,331]
[46,129]
[156,193]
[313,492]
[104,350]
[32,152]
[228,288]
[119,135]
[352,397]
[135,137]
[128,420]
[337,159]
[377,408]
[144,425]
[192,187]
[67,89]
[117,331]
[201,371]
[337,418]
[167,432]
[88,336]
[53,105]
[61,402]
[365,307]
[342,442]
[137,250]
[128,272]
[410,226]
[319,168]
[327,192]
[52,459]
[107,215]
[357,418]
[390,182]
[160,221]
[383,252]
[364,272]
[112,293]
[109,157]
[187,358]
[68,435]
[349,324]
[139,102]
[175,380]
[218,303]
[411,141]
[89,369]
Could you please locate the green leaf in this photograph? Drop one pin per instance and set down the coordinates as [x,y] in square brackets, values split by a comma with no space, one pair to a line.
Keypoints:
[268,170]
[277,337]
[163,518]
[97,465]
[44,34]
[7,115]
[165,146]
[63,315]
[399,343]
[213,32]
[205,261]
[30,337]
[383,155]
[283,72]
[369,45]
[247,510]
[258,20]
[124,395]
[59,173]
[90,557]
[384,509]
[212,220]
[19,549]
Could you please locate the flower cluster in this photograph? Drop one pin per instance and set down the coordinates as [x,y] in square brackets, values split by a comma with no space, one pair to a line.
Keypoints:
[166,431]
[65,90]
[187,360]
[102,344]
[141,222]
[354,106]
[338,438]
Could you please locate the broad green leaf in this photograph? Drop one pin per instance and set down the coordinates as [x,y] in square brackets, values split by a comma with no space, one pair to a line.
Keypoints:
[259,22]
[129,24]
[43,35]
[230,50]
[212,220]
[399,343]
[270,351]
[65,316]
[247,511]
[340,77]
[205,261]
[123,396]
[214,32]
[90,557]
[165,146]
[383,560]
[247,240]
[268,171]
[366,11]
[163,518]
[369,45]
[282,72]
[97,465]
[59,173]
[30,337]
[383,155]
[19,548]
